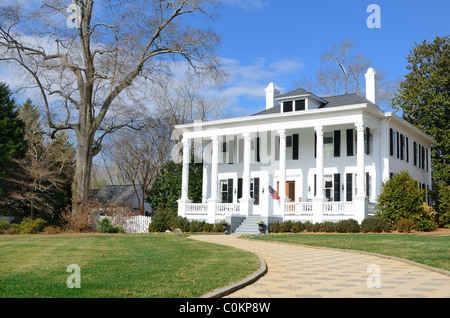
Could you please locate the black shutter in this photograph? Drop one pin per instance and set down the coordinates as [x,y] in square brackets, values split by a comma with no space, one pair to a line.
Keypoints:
[415,153]
[315,144]
[337,143]
[256,191]
[407,149]
[258,149]
[337,187]
[368,140]
[349,142]
[287,107]
[398,145]
[391,142]
[348,187]
[295,147]
[367,184]
[426,158]
[230,191]
[239,188]
[402,146]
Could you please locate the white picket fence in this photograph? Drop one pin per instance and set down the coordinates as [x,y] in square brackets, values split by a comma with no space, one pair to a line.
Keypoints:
[135,224]
[138,224]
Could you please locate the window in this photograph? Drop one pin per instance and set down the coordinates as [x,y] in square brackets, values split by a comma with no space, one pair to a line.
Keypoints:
[226,191]
[328,145]
[254,189]
[329,192]
[300,104]
[287,106]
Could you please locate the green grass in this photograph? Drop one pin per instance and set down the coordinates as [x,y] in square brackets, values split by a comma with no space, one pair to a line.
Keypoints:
[428,250]
[114,266]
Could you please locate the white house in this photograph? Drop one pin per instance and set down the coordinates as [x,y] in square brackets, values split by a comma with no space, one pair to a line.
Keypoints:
[325,156]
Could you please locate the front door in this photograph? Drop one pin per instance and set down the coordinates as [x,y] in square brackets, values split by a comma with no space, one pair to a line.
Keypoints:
[290,190]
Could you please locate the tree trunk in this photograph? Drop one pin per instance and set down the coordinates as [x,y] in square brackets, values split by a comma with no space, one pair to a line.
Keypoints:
[82,178]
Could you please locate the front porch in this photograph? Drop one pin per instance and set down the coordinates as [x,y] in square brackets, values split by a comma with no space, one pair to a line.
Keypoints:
[314,212]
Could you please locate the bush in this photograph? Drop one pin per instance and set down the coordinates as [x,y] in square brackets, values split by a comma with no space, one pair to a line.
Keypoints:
[308,226]
[30,226]
[4,226]
[297,227]
[317,227]
[285,227]
[348,226]
[329,227]
[274,227]
[161,220]
[400,198]
[52,230]
[375,225]
[426,225]
[405,225]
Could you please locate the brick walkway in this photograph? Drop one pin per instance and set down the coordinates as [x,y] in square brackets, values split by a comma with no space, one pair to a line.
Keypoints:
[301,272]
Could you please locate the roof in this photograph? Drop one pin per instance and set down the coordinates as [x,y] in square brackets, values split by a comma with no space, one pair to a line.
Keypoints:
[115,194]
[330,101]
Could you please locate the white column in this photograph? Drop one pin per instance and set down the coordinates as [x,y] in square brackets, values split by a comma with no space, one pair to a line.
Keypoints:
[185,178]
[319,164]
[282,165]
[246,202]
[214,181]
[360,159]
[360,199]
[185,171]
[214,169]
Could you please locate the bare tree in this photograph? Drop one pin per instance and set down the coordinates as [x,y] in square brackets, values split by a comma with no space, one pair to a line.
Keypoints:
[141,154]
[84,72]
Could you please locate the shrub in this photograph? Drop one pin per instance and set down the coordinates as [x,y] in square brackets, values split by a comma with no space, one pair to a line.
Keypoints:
[329,227]
[405,225]
[30,226]
[308,226]
[375,225]
[348,226]
[297,227]
[317,227]
[426,225]
[52,230]
[4,226]
[161,220]
[105,226]
[274,227]
[285,227]
[400,198]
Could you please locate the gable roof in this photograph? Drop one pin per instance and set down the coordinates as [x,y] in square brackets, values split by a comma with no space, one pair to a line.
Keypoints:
[328,102]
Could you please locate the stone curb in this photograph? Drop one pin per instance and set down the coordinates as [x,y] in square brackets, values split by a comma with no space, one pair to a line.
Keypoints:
[221,292]
[433,269]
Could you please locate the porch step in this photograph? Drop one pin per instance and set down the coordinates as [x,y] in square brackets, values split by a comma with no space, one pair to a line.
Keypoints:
[248,226]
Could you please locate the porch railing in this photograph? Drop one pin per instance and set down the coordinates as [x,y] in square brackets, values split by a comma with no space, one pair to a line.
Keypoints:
[227,208]
[197,208]
[298,208]
[338,208]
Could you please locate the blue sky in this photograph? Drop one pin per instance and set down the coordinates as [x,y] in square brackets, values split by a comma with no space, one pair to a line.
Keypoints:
[282,40]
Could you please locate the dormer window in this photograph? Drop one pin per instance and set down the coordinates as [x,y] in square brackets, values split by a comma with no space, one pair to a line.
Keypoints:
[300,104]
[287,106]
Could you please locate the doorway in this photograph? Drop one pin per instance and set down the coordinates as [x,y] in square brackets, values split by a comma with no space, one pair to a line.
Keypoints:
[290,190]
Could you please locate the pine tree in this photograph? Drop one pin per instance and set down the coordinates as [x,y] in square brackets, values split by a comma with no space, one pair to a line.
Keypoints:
[12,129]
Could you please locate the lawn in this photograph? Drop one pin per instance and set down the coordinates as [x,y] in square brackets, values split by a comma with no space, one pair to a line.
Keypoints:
[117,265]
[429,250]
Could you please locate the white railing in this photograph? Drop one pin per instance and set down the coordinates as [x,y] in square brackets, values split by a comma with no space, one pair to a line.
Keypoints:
[371,209]
[298,208]
[338,208]
[196,208]
[227,208]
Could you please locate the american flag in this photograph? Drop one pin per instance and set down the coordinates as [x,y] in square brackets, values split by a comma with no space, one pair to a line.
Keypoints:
[274,193]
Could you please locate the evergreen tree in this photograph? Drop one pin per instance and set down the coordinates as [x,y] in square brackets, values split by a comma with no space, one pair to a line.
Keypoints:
[424,99]
[12,129]
[166,190]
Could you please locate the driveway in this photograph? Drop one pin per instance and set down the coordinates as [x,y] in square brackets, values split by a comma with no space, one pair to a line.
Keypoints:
[301,272]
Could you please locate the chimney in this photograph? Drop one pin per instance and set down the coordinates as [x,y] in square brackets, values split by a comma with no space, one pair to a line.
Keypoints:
[372,89]
[271,92]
